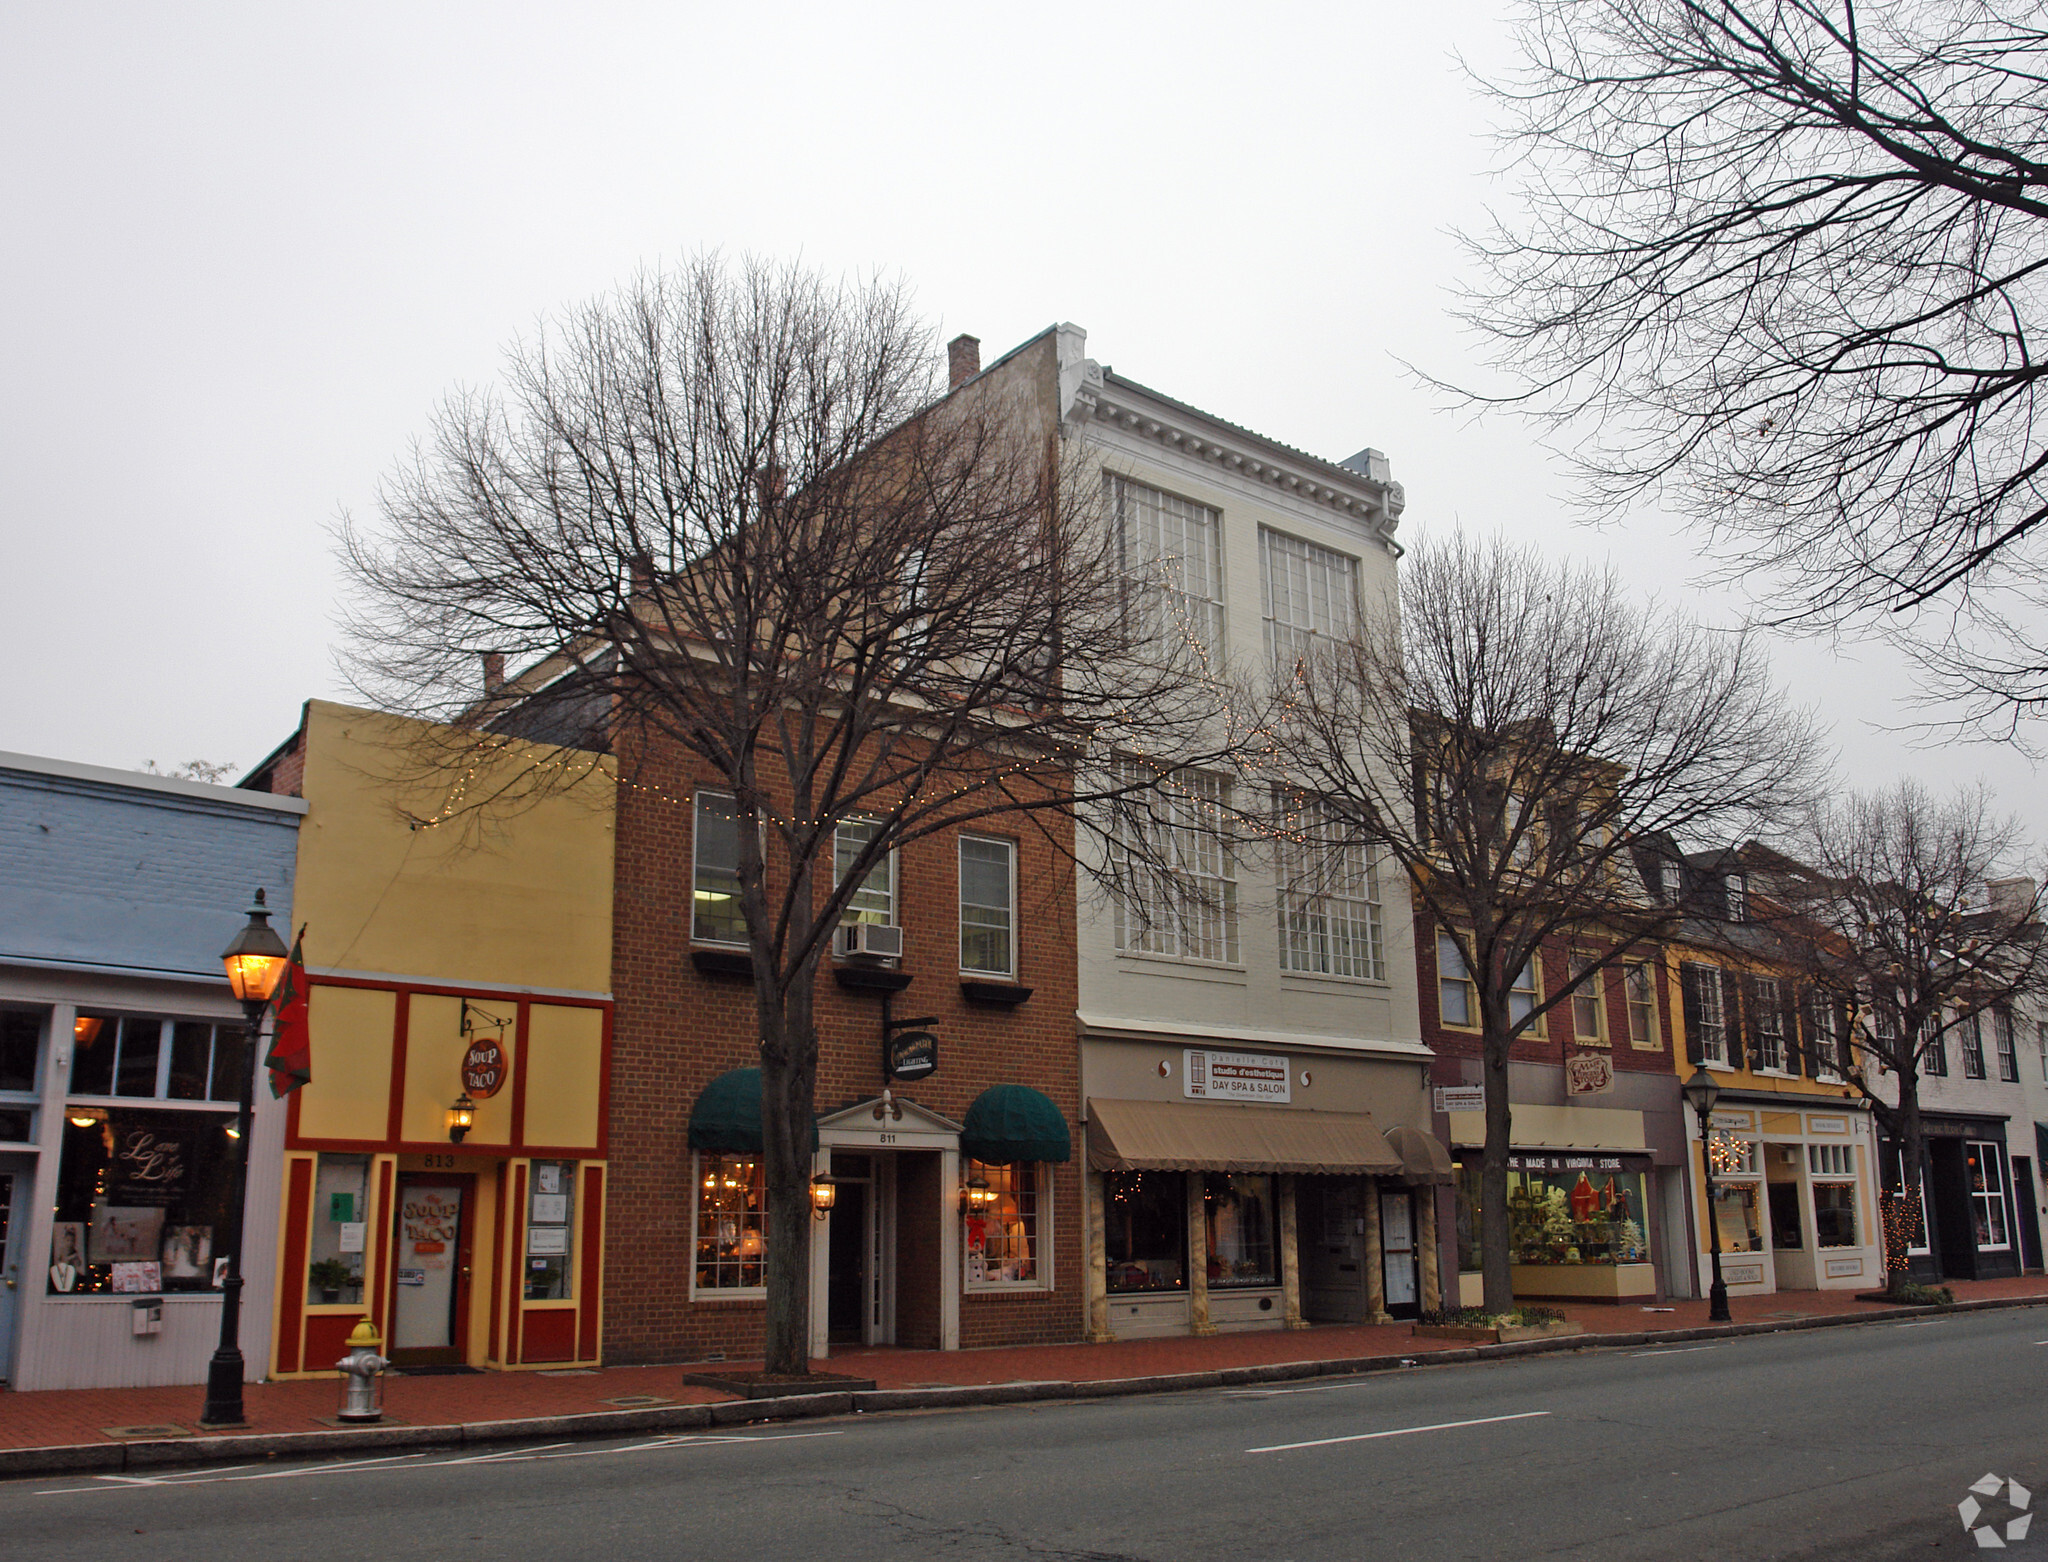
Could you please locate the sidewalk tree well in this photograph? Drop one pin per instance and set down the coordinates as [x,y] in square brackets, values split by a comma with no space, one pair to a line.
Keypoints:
[1776,266]
[1917,922]
[1510,742]
[731,512]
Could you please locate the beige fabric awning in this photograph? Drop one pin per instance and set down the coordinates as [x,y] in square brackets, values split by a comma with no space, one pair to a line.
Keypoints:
[1424,1160]
[1178,1136]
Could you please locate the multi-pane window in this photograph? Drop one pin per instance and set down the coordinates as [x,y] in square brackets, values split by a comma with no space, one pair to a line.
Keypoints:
[1705,1013]
[715,885]
[732,1223]
[1916,1204]
[1589,1012]
[1832,1168]
[1934,1053]
[1003,1239]
[1826,1033]
[1179,891]
[988,876]
[1770,1026]
[2041,1040]
[1987,1193]
[1329,895]
[1457,1000]
[1172,550]
[1524,995]
[1242,1218]
[1311,593]
[1831,1160]
[875,900]
[21,1043]
[1973,1047]
[1639,988]
[2008,1053]
[170,1060]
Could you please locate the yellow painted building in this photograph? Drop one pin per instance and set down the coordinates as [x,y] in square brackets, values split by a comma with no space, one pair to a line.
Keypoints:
[454,951]
[1794,1153]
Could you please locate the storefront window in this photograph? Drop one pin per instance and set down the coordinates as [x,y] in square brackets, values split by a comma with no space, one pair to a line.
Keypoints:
[1002,1236]
[1145,1230]
[1470,1259]
[1241,1217]
[144,1198]
[174,1060]
[1562,1213]
[341,1197]
[1987,1194]
[732,1223]
[550,1219]
[1834,1214]
[1735,1217]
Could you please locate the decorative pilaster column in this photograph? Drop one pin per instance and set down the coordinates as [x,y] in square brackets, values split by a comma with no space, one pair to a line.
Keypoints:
[1375,1260]
[1432,1277]
[1290,1259]
[1198,1259]
[1098,1261]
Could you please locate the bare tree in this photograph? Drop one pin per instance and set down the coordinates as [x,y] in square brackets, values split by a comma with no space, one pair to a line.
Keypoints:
[1917,927]
[1510,742]
[729,513]
[1784,260]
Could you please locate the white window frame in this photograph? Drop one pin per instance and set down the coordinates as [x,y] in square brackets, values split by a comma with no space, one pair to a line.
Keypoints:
[166,1039]
[1320,590]
[1770,1027]
[1187,912]
[1153,531]
[1993,1161]
[1713,994]
[1041,1237]
[854,912]
[1331,918]
[2006,1046]
[1009,849]
[1925,1246]
[1827,1037]
[697,870]
[2041,1040]
[1972,1029]
[713,1292]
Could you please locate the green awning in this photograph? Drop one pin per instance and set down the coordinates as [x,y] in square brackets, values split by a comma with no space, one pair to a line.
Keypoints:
[727,1115]
[1012,1123]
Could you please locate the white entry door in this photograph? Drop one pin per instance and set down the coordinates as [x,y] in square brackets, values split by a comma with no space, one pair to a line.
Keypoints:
[1397,1245]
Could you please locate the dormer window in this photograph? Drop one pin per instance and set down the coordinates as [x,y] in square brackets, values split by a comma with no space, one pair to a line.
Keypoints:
[1737,891]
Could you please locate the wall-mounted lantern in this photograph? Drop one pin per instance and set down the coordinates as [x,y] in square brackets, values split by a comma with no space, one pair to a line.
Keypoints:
[461,1118]
[824,1194]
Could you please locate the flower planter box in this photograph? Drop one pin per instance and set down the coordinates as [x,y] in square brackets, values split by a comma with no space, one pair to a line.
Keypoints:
[1496,1336]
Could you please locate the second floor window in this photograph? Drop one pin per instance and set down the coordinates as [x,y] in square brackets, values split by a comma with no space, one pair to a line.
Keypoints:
[1770,1026]
[1329,895]
[2008,1054]
[1524,995]
[987,910]
[1310,593]
[1934,1055]
[875,900]
[1172,550]
[1973,1047]
[1639,984]
[1589,1017]
[1457,1001]
[715,884]
[1178,895]
[1705,1015]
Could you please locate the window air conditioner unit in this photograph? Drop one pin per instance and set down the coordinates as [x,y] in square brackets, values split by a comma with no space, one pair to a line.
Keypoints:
[870,938]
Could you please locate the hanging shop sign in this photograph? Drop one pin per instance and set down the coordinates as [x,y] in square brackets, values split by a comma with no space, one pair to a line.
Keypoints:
[1234,1076]
[484,1068]
[912,1054]
[1588,1074]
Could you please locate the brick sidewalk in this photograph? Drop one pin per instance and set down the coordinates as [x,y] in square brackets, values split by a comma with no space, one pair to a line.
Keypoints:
[69,1417]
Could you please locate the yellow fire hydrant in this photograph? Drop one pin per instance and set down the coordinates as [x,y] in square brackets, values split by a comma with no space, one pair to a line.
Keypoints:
[362,1391]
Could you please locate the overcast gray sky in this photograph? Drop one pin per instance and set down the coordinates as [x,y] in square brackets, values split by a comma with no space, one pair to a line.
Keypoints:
[245,247]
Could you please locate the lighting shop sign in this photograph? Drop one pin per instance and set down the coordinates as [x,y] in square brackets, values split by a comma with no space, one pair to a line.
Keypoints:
[483,1068]
[1233,1076]
[913,1054]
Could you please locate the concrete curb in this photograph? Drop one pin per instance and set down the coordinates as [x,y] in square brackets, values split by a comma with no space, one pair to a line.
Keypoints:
[168,1453]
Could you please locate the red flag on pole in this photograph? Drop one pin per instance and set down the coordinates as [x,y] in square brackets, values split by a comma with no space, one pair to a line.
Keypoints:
[290,1059]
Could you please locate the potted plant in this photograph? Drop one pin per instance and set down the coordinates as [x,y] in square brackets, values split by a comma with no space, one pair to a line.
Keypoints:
[330,1276]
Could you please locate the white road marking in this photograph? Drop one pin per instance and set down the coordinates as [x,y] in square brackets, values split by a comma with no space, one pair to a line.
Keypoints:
[1404,1431]
[390,1462]
[1272,1393]
[1674,1350]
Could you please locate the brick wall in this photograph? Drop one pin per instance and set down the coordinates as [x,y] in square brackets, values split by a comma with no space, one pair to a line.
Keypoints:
[675,1029]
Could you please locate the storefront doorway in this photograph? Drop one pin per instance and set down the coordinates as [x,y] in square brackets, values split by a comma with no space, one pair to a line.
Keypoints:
[859,1296]
[1331,1225]
[430,1269]
[1398,1253]
[17,1176]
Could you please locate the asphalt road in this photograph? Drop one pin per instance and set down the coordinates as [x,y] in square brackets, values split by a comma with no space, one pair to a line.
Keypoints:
[1836,1444]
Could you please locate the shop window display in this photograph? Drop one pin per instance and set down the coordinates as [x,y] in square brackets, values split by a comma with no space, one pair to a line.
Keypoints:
[550,1222]
[732,1223]
[341,1197]
[1987,1194]
[1834,1214]
[1241,1216]
[144,1200]
[1576,1215]
[1002,1236]
[1145,1230]
[1735,1205]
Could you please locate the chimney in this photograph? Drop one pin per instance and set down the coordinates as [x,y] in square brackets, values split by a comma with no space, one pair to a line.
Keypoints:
[494,671]
[963,361]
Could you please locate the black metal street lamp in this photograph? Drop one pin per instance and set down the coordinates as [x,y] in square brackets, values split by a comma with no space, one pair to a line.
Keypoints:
[255,962]
[1701,1092]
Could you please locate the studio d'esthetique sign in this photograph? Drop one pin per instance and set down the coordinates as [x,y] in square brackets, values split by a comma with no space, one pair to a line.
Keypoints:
[1234,1076]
